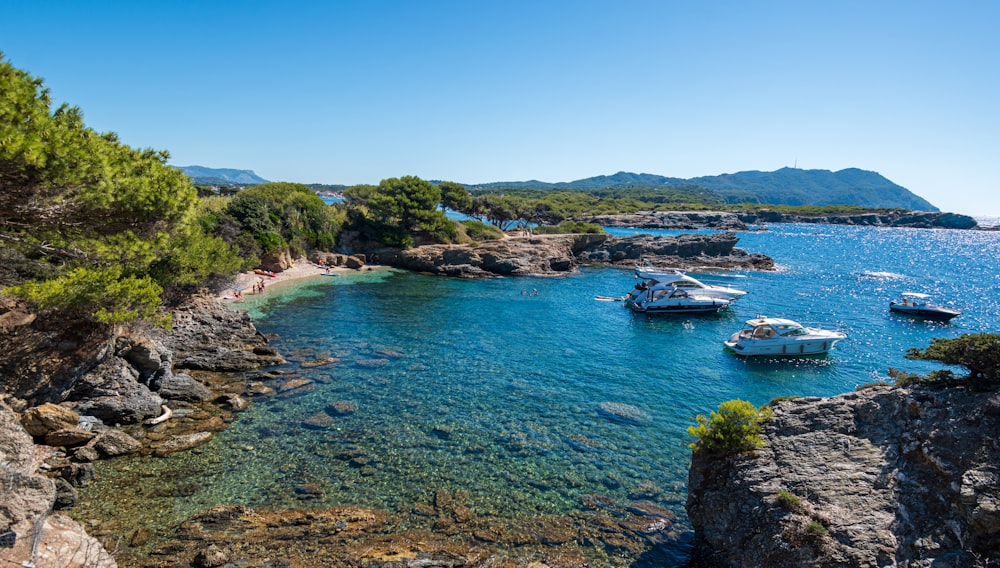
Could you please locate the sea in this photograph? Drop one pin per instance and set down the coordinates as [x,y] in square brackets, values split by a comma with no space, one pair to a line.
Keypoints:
[529,395]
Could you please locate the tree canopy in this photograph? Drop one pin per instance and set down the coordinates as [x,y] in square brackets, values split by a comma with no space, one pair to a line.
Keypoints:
[79,206]
[979,353]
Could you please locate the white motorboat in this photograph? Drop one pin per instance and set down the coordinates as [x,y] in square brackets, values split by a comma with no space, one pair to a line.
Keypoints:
[651,279]
[781,337]
[919,305]
[664,300]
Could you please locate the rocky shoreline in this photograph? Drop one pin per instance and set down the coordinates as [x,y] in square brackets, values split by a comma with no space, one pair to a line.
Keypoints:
[75,394]
[549,255]
[874,471]
[743,220]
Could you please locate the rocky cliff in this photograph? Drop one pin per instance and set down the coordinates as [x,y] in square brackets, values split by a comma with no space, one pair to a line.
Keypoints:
[882,476]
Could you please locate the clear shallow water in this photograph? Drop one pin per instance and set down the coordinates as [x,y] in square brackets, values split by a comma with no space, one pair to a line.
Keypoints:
[475,386]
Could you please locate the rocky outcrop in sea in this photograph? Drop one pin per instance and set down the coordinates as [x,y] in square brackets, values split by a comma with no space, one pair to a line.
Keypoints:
[911,219]
[742,220]
[878,477]
[561,254]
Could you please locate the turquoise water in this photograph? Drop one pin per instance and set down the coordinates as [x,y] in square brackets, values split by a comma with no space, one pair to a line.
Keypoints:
[474,385]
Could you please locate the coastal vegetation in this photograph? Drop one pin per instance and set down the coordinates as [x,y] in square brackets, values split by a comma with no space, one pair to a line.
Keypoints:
[91,227]
[979,353]
[734,428]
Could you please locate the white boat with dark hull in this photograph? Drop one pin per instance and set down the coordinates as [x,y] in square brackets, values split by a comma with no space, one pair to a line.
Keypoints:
[919,305]
[663,300]
[781,337]
[653,279]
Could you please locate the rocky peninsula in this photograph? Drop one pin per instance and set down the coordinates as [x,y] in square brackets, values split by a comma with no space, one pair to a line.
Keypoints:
[549,255]
[743,220]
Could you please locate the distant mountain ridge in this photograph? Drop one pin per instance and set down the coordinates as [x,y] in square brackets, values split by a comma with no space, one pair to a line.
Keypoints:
[215,176]
[787,186]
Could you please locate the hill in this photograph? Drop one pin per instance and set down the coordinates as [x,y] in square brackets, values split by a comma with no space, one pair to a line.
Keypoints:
[221,176]
[787,186]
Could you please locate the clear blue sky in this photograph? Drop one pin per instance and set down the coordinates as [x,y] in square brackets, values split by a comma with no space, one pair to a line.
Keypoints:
[478,91]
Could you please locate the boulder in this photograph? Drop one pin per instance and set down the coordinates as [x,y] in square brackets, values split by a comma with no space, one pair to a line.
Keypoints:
[112,392]
[114,442]
[26,504]
[208,336]
[183,387]
[68,437]
[181,443]
[46,418]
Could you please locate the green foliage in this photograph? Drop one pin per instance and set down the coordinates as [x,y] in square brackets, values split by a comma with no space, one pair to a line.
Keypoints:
[396,237]
[106,295]
[196,257]
[735,427]
[409,202]
[567,227]
[78,202]
[479,231]
[359,194]
[815,529]
[789,500]
[979,353]
[272,217]
[454,196]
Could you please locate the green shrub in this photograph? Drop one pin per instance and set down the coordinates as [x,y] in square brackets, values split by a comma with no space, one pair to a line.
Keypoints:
[567,227]
[735,427]
[105,295]
[815,528]
[479,231]
[789,500]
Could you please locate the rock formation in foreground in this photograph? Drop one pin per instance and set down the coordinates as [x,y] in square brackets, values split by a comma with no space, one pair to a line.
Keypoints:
[882,476]
[67,389]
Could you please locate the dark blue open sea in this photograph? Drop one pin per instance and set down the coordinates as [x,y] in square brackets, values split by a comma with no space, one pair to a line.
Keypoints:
[473,385]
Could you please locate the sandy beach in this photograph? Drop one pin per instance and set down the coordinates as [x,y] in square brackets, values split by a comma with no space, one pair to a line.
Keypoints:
[302,269]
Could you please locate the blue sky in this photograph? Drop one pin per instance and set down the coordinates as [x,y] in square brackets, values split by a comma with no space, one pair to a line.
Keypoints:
[477,91]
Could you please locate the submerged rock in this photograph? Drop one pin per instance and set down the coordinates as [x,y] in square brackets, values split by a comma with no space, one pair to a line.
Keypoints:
[625,413]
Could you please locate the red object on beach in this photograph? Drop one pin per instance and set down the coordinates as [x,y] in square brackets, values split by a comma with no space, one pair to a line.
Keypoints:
[264,272]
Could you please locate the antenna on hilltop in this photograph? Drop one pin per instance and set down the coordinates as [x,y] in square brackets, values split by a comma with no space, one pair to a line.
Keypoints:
[796,166]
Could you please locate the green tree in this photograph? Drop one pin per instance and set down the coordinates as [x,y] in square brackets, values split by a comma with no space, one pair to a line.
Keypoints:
[454,196]
[735,427]
[979,353]
[499,211]
[359,194]
[96,214]
[409,202]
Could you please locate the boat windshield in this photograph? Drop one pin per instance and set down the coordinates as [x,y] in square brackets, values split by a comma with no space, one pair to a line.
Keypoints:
[788,330]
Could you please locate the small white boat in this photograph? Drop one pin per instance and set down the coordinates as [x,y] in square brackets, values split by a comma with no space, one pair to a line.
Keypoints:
[663,300]
[781,337]
[919,305]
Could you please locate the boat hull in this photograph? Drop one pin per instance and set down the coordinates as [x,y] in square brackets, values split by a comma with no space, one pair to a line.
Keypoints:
[936,314]
[679,309]
[764,347]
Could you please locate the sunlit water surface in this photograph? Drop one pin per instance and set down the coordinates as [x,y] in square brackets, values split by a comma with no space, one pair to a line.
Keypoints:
[485,387]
